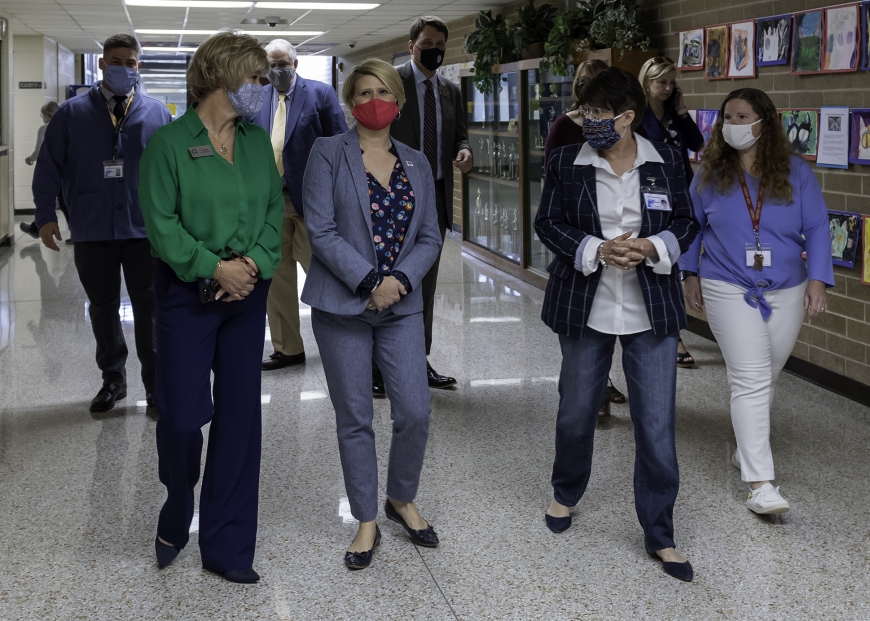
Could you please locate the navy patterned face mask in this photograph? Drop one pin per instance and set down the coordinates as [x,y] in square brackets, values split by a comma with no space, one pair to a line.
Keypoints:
[601,134]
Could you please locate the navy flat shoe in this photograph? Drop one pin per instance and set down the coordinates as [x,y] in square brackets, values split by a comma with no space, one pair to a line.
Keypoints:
[427,537]
[681,571]
[165,553]
[361,560]
[241,576]
[557,524]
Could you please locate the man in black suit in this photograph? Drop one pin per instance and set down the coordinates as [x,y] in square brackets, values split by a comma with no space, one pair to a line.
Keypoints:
[432,121]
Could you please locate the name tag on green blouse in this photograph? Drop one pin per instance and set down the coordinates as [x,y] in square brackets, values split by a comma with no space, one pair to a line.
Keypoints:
[203,151]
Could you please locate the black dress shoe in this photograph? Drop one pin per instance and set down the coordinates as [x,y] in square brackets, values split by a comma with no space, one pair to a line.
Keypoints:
[427,537]
[361,560]
[683,571]
[279,361]
[30,229]
[378,389]
[165,553]
[438,381]
[105,399]
[240,576]
[557,524]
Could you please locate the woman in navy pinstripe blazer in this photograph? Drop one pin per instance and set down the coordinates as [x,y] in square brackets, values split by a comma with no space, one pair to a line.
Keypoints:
[616,212]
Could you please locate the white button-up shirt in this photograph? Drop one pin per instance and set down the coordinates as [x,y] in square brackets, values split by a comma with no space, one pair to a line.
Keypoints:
[618,307]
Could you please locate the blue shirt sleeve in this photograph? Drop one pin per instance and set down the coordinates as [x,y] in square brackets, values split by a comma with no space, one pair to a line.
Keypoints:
[816,227]
[690,259]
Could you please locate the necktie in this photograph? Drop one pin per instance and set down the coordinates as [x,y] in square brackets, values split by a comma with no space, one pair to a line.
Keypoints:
[119,111]
[279,125]
[430,129]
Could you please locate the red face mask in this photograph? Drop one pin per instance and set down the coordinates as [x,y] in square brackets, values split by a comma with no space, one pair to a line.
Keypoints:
[376,114]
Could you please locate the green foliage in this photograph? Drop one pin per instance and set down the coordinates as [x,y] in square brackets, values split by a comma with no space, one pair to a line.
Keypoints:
[492,44]
[617,28]
[533,25]
[567,29]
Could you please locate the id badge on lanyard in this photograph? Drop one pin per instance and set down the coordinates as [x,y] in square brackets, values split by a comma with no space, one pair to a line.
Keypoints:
[656,198]
[114,168]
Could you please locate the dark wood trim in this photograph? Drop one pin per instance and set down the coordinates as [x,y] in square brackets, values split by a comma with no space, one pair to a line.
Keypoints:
[6,241]
[25,212]
[813,373]
[517,271]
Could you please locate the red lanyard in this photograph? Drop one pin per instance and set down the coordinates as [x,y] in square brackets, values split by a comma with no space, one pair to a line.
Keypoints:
[754,215]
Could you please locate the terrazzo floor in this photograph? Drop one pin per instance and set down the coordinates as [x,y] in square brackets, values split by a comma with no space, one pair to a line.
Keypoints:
[79,494]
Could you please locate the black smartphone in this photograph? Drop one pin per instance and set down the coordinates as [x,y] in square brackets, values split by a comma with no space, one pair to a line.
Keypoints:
[208,288]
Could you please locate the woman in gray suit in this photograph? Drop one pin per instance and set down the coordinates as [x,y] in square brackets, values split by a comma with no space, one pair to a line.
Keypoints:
[373,228]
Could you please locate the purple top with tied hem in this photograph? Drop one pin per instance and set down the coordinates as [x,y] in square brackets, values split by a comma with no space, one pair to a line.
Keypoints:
[790,229]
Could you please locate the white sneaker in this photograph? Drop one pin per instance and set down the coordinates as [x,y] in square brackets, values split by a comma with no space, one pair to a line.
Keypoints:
[735,460]
[766,500]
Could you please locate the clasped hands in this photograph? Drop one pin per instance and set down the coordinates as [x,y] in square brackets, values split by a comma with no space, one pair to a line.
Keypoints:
[625,253]
[237,278]
[387,293]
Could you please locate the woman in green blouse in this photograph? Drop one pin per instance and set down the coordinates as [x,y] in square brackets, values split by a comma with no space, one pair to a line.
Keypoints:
[212,201]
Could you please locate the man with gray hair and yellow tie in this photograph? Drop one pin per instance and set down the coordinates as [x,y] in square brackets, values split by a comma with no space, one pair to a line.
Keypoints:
[296,113]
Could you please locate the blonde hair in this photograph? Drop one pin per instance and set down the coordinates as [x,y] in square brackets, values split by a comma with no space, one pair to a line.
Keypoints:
[224,61]
[592,68]
[653,69]
[379,69]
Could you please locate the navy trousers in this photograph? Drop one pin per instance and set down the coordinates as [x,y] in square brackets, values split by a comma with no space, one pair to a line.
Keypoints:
[194,339]
[648,361]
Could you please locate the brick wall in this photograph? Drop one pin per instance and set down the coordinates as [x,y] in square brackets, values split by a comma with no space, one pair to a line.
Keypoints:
[839,340]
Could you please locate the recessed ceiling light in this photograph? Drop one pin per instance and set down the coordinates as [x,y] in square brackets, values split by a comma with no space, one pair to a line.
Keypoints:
[195,33]
[192,4]
[317,6]
[157,48]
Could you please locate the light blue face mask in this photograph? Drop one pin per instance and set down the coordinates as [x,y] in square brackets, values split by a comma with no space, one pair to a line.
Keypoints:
[120,80]
[248,99]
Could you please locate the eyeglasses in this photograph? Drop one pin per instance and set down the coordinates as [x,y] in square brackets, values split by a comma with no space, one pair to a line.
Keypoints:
[594,113]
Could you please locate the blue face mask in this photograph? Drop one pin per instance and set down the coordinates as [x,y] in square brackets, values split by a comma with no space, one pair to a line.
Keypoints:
[601,134]
[120,80]
[281,78]
[248,99]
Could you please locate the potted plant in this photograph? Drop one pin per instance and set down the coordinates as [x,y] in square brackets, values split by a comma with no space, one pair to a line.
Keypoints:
[492,44]
[565,37]
[532,29]
[614,25]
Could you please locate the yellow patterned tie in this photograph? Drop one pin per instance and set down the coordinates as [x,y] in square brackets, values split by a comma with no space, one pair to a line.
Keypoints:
[279,124]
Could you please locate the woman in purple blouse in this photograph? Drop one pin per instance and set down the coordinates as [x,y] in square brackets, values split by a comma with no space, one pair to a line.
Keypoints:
[759,207]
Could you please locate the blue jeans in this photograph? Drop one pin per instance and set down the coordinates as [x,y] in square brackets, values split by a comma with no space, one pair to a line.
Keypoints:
[651,374]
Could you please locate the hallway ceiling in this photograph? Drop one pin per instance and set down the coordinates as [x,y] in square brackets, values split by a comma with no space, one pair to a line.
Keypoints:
[82,25]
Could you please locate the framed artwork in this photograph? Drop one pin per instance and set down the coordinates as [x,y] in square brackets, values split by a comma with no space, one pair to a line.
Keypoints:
[693,114]
[691,56]
[859,142]
[845,237]
[842,40]
[716,46]
[741,54]
[865,267]
[801,127]
[706,122]
[807,42]
[864,32]
[772,40]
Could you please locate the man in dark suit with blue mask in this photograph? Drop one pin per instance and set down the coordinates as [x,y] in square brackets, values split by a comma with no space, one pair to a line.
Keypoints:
[297,112]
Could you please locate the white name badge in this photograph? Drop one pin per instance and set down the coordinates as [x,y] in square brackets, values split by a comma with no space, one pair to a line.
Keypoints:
[113,169]
[657,202]
[766,252]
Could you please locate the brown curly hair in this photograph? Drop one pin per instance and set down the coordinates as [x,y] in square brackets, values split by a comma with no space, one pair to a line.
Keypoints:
[721,162]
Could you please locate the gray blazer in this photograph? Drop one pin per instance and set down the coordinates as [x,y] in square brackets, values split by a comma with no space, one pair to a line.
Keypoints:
[338,219]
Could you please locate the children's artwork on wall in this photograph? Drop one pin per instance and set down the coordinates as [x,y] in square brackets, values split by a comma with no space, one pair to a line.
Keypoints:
[773,40]
[864,32]
[801,128]
[845,237]
[742,50]
[859,143]
[807,42]
[716,67]
[691,56]
[841,38]
[693,114]
[865,268]
[706,121]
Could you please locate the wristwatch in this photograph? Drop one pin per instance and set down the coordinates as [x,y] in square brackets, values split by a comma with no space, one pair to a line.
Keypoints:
[687,273]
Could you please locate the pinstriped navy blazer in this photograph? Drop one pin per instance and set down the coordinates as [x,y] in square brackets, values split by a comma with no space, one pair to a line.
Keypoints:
[569,212]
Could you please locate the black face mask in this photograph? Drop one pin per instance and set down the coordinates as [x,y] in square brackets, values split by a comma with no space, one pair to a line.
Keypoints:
[431,58]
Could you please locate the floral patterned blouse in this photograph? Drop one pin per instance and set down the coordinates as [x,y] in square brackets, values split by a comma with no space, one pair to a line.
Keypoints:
[391,211]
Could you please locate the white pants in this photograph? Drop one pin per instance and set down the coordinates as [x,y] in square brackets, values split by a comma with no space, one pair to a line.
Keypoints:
[755,352]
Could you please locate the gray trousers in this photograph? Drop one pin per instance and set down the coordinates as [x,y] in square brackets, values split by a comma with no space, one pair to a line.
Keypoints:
[347,345]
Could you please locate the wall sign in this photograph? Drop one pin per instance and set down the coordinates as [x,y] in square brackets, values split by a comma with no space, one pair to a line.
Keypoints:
[30,85]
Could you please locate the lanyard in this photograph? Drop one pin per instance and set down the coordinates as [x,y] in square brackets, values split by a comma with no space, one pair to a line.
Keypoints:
[754,215]
[118,122]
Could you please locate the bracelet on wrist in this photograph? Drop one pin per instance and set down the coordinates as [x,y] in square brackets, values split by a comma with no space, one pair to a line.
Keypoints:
[601,256]
[216,270]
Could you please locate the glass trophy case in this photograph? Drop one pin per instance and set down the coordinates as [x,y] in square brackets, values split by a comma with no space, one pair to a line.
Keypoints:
[549,97]
[493,205]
